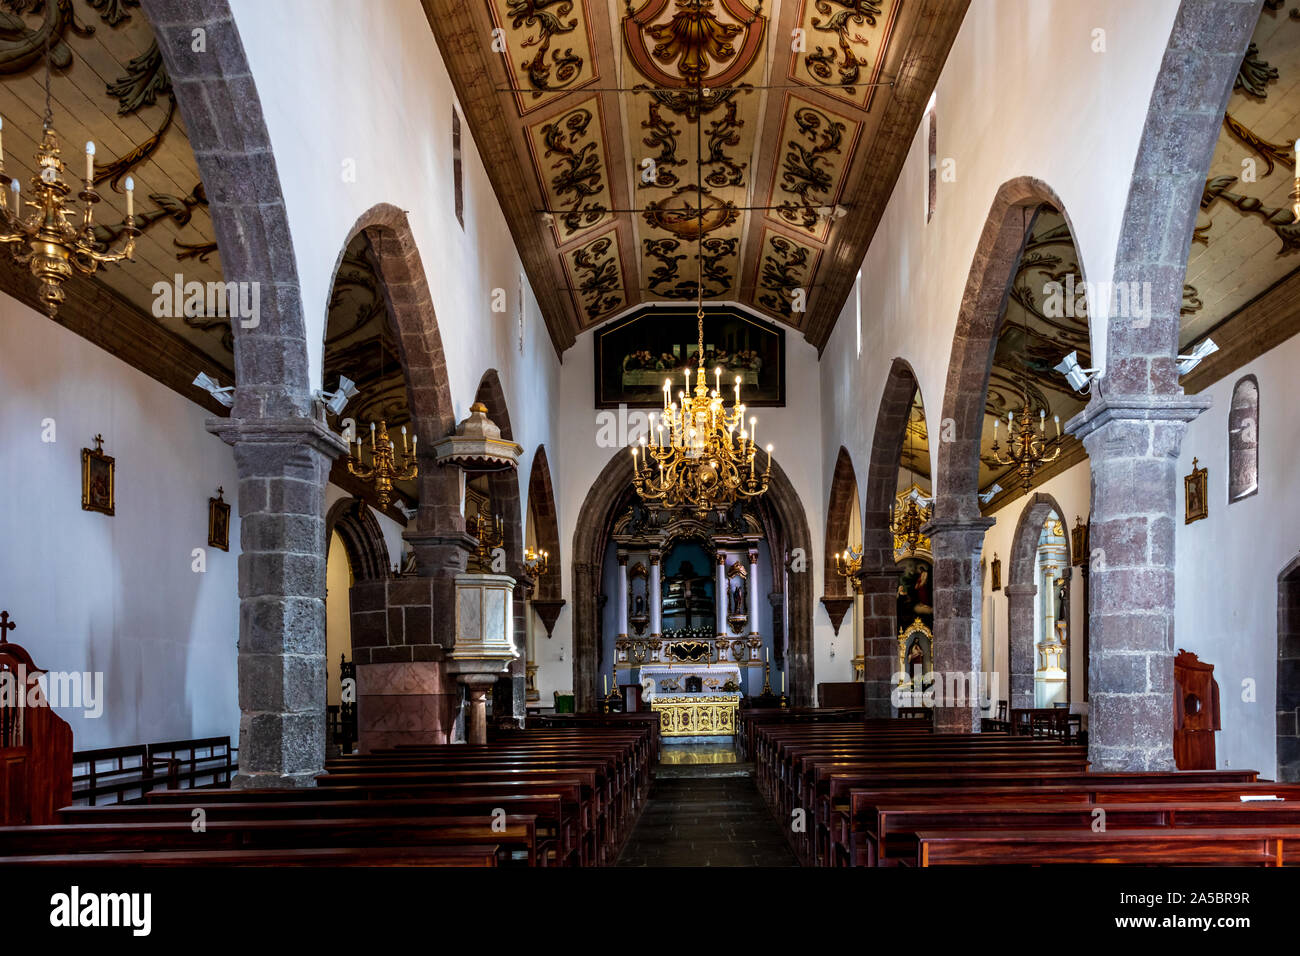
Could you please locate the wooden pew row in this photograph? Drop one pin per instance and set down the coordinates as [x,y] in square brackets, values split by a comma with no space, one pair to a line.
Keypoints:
[472,855]
[1265,846]
[856,830]
[516,834]
[557,837]
[895,833]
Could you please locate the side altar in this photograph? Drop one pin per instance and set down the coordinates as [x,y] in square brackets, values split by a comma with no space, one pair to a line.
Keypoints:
[693,700]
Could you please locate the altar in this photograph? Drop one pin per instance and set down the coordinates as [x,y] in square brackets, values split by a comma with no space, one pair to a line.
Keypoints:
[693,700]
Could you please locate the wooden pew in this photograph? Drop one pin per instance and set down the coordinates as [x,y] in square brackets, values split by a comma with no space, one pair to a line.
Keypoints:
[1166,846]
[470,855]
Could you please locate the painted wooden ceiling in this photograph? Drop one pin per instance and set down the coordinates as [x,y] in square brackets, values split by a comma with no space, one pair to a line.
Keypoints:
[108,84]
[648,147]
[1247,236]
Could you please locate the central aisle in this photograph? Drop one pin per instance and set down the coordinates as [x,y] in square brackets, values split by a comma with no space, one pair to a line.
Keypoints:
[704,810]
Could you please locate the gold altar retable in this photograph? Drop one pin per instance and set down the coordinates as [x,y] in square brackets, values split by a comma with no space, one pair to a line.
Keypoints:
[696,716]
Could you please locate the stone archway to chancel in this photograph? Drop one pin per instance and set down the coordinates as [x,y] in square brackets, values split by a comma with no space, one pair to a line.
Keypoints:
[780,519]
[1024,575]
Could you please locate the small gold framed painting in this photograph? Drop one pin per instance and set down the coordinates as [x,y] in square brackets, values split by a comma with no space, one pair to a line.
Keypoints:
[219,522]
[97,492]
[996,583]
[1195,499]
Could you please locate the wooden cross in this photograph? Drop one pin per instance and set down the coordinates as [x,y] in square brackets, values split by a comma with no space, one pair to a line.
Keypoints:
[99,442]
[5,626]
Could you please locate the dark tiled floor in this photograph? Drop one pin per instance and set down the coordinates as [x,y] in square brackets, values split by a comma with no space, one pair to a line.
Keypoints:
[705,814]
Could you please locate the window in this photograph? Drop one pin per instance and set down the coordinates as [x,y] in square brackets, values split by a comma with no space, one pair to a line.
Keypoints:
[1243,440]
[457,170]
[932,146]
[857,298]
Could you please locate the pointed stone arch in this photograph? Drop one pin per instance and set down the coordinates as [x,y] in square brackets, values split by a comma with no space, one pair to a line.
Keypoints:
[839,517]
[541,507]
[1021,589]
[362,539]
[610,493]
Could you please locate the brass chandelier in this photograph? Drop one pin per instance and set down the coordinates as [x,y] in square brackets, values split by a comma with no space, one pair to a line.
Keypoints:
[386,465]
[44,240]
[701,454]
[1028,448]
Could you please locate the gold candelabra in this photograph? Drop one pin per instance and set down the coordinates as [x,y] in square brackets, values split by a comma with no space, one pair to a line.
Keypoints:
[848,565]
[386,466]
[490,534]
[45,241]
[1028,448]
[703,454]
[906,524]
[536,563]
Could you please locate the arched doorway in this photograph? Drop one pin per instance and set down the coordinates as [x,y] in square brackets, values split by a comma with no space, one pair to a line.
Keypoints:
[1040,555]
[897,574]
[1288,673]
[541,536]
[788,542]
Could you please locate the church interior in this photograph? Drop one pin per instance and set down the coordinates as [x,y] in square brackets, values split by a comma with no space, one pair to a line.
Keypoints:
[1007,286]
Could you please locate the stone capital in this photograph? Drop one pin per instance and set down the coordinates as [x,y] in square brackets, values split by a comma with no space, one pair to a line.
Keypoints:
[1106,409]
[311,432]
[1020,590]
[941,526]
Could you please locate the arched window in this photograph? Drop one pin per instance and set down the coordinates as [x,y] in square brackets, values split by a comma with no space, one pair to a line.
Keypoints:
[932,146]
[457,171]
[1243,440]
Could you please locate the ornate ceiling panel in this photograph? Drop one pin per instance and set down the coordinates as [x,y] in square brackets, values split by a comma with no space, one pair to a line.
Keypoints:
[109,85]
[642,147]
[1247,237]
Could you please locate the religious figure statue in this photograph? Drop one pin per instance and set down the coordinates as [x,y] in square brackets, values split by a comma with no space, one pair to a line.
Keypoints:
[736,600]
[1062,609]
[687,596]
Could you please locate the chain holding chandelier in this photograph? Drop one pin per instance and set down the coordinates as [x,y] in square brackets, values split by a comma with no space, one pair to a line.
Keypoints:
[386,465]
[45,240]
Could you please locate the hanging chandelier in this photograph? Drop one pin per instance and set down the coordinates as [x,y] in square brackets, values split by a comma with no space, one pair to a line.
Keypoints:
[1028,447]
[700,454]
[386,465]
[44,240]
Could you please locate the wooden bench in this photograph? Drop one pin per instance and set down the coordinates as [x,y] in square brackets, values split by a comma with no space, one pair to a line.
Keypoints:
[1167,846]
[123,773]
[470,855]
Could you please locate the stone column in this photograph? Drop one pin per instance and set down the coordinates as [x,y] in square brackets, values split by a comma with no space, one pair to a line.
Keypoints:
[656,599]
[622,599]
[879,589]
[1133,443]
[720,596]
[283,466]
[753,593]
[958,661]
[1020,643]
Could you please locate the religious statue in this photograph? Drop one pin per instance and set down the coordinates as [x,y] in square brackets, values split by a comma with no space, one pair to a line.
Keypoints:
[1062,609]
[688,596]
[736,603]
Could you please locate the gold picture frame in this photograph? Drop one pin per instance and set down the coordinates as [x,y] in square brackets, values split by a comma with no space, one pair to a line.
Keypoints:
[98,492]
[995,584]
[1079,542]
[915,649]
[1196,500]
[219,522]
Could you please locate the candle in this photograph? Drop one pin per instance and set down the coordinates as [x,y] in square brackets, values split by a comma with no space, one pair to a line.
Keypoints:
[90,161]
[767,654]
[2,141]
[372,435]
[783,682]
[717,379]
[130,197]
[1057,419]
[737,389]
[606,677]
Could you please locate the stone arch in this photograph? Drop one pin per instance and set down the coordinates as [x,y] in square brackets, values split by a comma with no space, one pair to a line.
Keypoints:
[839,511]
[879,579]
[1134,425]
[1021,589]
[609,494]
[364,542]
[415,326]
[1288,672]
[218,100]
[541,505]
[957,530]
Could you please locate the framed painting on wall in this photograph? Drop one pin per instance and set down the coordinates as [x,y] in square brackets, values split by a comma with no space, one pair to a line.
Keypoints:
[635,355]
[1195,500]
[97,490]
[219,522]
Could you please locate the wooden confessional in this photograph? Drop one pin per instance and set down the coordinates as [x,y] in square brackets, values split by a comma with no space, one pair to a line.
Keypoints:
[1196,712]
[35,742]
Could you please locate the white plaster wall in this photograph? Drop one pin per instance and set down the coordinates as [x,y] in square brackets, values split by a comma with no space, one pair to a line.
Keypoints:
[1022,94]
[345,86]
[1228,563]
[115,594]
